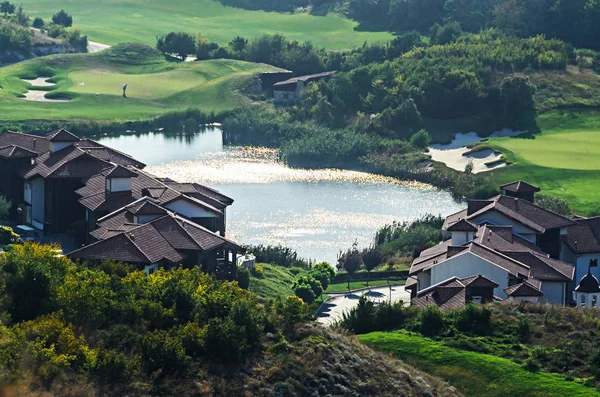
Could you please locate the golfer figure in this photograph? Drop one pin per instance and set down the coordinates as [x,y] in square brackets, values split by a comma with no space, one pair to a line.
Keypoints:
[124,89]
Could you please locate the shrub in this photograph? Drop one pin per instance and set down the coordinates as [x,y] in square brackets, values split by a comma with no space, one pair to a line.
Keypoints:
[63,19]
[161,351]
[8,236]
[433,321]
[420,139]
[524,328]
[258,271]
[554,204]
[5,205]
[113,367]
[38,23]
[309,280]
[305,292]
[474,319]
[243,277]
[277,255]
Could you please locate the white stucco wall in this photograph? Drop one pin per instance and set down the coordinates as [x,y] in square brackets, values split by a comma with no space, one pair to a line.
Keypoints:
[553,292]
[120,184]
[460,238]
[467,265]
[38,201]
[498,219]
[189,209]
[56,146]
[423,280]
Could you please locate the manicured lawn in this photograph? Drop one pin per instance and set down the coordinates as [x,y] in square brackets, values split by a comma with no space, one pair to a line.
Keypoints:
[343,287]
[564,159]
[94,83]
[276,283]
[119,21]
[474,374]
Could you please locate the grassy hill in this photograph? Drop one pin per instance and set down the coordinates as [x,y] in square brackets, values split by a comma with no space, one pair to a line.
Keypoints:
[474,374]
[93,83]
[118,21]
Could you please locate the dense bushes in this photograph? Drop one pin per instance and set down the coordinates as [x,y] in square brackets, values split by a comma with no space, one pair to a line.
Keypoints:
[15,38]
[267,5]
[278,255]
[118,324]
[410,238]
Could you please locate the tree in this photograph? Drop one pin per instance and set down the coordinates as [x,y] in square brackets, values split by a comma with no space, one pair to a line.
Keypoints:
[63,19]
[238,44]
[350,261]
[554,204]
[469,167]
[420,139]
[307,281]
[7,8]
[179,43]
[22,18]
[371,257]
[38,23]
[5,205]
[204,48]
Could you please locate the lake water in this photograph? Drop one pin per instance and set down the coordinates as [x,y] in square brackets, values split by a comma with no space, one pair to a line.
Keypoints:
[316,212]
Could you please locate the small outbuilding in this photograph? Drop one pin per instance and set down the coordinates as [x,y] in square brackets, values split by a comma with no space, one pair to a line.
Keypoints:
[289,91]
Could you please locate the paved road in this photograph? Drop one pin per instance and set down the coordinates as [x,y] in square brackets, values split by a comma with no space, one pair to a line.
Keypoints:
[331,311]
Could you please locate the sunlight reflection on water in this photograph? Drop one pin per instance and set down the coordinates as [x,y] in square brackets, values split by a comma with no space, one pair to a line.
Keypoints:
[317,212]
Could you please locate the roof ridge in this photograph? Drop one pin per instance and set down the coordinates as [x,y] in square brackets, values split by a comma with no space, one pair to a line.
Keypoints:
[500,254]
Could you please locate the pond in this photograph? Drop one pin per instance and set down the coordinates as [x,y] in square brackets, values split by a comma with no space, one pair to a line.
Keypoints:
[316,212]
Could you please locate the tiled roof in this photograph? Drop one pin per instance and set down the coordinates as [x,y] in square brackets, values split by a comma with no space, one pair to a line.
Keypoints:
[584,236]
[148,208]
[306,78]
[463,226]
[501,238]
[165,238]
[519,210]
[447,295]
[13,151]
[479,281]
[545,268]
[524,289]
[34,143]
[62,135]
[93,194]
[519,186]
[70,162]
[120,172]
[200,192]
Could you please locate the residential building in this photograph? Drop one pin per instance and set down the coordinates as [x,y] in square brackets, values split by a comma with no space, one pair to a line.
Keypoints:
[289,91]
[60,180]
[507,239]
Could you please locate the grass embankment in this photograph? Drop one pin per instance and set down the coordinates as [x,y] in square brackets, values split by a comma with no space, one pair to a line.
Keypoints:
[474,374]
[121,21]
[563,159]
[94,84]
[275,283]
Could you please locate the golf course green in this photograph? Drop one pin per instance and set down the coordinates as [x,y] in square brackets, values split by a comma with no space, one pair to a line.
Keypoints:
[563,159]
[118,21]
[93,83]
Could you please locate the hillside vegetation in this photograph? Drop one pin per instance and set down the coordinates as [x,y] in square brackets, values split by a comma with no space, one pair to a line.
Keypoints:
[70,330]
[93,84]
[121,21]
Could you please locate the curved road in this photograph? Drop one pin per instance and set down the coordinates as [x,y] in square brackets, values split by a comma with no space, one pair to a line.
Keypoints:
[331,311]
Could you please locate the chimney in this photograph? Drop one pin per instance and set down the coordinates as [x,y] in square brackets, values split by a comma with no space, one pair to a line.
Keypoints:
[34,141]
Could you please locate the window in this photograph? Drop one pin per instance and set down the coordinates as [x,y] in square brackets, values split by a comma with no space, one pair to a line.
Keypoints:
[108,187]
[583,299]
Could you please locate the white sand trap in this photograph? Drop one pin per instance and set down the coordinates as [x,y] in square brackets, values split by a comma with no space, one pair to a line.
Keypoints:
[96,47]
[40,82]
[455,156]
[40,96]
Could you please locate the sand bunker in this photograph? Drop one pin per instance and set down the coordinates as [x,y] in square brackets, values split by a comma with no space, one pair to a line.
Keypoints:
[39,82]
[40,96]
[456,155]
